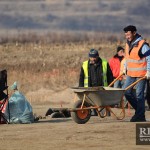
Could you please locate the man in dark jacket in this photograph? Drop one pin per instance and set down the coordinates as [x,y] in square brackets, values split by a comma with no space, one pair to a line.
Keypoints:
[95,71]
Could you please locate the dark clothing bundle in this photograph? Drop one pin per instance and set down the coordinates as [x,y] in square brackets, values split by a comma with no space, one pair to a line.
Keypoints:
[95,72]
[148,93]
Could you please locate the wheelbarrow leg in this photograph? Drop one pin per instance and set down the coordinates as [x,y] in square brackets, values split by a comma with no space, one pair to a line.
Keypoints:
[99,112]
[108,113]
[83,101]
[122,112]
[109,109]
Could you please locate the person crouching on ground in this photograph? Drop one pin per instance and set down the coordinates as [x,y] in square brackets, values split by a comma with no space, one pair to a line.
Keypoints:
[95,71]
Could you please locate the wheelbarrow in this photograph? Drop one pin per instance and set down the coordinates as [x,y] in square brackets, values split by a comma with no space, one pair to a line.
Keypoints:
[95,98]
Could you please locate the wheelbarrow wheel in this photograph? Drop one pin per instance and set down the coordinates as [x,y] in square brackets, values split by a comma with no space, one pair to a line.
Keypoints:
[81,116]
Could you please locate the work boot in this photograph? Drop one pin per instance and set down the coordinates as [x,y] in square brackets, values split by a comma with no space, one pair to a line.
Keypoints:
[139,112]
[138,119]
[133,118]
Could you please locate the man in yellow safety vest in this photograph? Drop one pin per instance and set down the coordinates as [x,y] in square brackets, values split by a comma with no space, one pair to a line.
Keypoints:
[95,71]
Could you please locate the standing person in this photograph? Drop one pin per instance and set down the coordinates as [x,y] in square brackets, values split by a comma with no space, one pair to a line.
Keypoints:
[137,65]
[148,94]
[115,63]
[95,71]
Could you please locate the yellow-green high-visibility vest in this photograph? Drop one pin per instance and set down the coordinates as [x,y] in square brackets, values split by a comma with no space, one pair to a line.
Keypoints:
[85,68]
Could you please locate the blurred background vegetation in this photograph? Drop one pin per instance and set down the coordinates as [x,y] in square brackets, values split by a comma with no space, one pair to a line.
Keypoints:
[44,42]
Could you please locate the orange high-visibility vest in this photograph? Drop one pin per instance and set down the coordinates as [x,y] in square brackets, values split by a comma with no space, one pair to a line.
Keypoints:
[136,66]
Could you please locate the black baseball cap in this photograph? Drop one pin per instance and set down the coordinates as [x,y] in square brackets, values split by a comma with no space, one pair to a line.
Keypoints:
[93,53]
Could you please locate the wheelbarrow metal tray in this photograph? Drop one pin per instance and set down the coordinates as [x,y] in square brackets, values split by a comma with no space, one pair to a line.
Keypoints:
[101,96]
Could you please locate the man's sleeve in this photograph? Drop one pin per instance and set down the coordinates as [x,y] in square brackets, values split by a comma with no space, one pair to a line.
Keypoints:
[146,52]
[109,74]
[81,78]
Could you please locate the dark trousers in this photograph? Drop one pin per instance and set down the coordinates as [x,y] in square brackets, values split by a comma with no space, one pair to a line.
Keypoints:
[148,93]
[137,100]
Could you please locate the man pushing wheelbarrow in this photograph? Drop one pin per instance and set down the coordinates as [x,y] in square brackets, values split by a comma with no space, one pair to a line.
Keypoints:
[137,69]
[137,66]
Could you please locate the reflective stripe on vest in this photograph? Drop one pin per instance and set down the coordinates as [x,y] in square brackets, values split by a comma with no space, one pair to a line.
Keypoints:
[85,68]
[136,67]
[104,64]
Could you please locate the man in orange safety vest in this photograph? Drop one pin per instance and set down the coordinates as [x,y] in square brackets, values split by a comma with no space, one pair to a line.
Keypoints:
[137,66]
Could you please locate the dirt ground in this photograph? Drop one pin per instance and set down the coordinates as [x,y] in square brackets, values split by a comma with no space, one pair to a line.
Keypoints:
[65,134]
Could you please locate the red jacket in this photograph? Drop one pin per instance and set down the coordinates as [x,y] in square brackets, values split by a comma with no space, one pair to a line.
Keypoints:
[114,64]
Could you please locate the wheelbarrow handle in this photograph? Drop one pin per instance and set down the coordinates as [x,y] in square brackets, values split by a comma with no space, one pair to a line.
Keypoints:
[115,80]
[133,84]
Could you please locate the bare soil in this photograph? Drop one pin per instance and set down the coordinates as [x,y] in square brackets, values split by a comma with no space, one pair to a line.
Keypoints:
[56,134]
[43,88]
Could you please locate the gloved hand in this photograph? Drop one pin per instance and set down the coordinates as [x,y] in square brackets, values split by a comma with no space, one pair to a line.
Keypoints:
[124,72]
[147,75]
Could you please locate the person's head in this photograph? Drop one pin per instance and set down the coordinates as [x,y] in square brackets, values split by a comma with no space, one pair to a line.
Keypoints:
[130,32]
[93,56]
[120,51]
